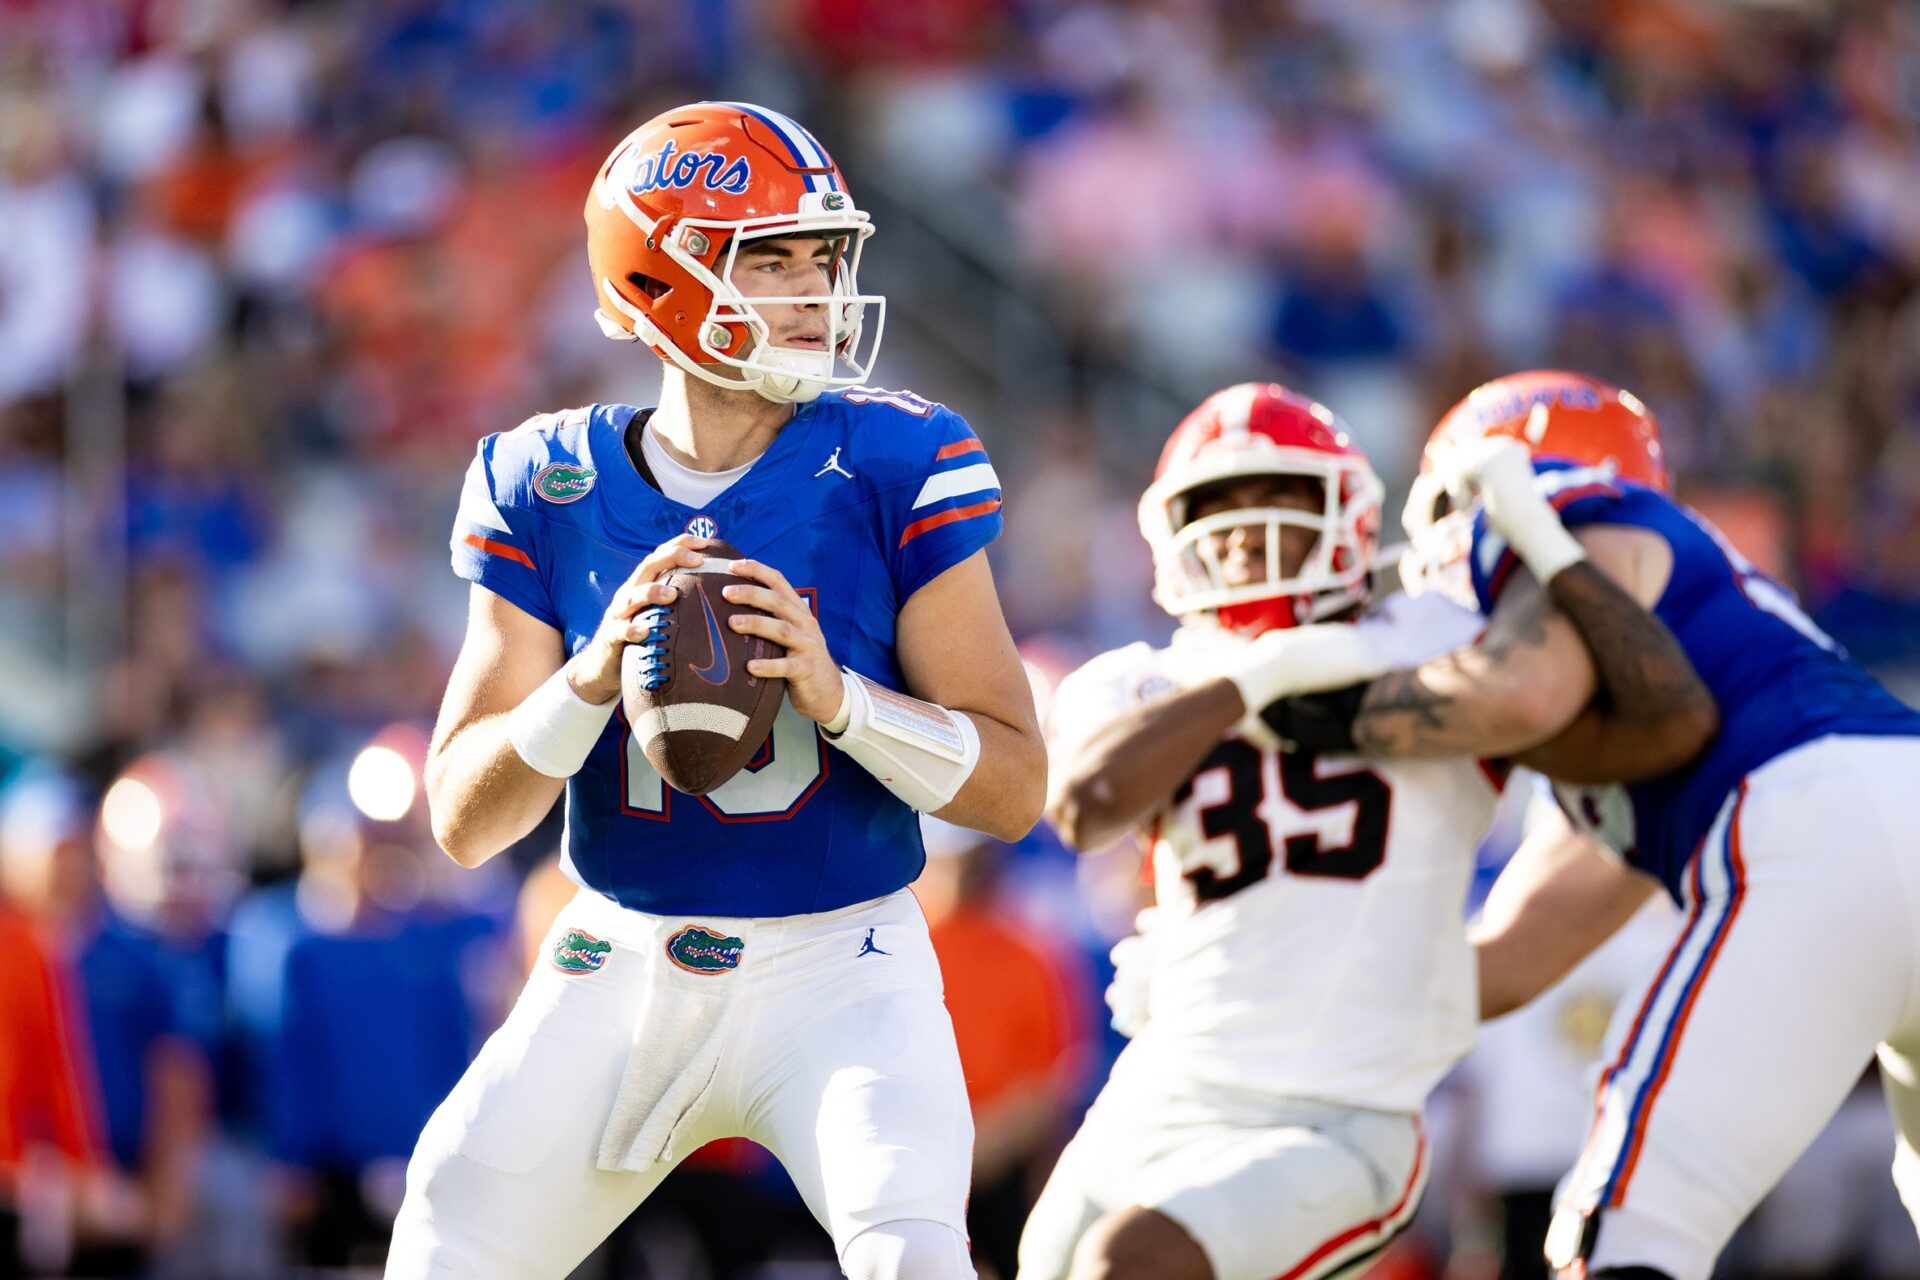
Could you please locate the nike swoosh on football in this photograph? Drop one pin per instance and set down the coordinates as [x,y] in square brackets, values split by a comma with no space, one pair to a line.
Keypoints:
[715,645]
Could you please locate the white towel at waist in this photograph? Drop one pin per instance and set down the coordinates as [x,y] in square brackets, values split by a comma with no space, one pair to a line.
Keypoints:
[677,1041]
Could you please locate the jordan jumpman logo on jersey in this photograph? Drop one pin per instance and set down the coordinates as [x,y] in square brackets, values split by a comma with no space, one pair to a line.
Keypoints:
[867,948]
[833,464]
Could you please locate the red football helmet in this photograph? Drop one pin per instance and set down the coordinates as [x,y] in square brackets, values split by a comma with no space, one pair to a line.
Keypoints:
[666,218]
[1262,429]
[1556,415]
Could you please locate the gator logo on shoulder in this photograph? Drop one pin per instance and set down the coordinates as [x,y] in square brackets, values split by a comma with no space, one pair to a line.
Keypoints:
[564,481]
[578,952]
[698,949]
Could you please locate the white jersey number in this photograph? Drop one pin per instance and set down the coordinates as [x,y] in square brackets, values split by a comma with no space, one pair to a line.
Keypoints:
[905,401]
[1764,593]
[1241,780]
[780,778]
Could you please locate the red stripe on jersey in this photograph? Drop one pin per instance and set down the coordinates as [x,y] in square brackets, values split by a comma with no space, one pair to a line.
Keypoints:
[1497,580]
[931,523]
[1496,772]
[500,549]
[958,447]
[1348,1236]
[1639,1135]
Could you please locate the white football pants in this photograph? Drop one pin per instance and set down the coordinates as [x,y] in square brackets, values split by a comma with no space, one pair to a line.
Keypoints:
[1267,1186]
[1799,959]
[840,1060]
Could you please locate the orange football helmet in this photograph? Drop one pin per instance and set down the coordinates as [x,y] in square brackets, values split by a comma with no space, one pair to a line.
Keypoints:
[667,215]
[1556,415]
[1262,429]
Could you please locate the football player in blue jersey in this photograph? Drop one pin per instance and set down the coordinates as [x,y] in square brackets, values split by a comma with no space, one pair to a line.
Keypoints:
[713,978]
[1788,840]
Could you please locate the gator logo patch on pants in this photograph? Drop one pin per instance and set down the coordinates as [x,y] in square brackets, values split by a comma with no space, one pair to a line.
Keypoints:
[698,949]
[578,952]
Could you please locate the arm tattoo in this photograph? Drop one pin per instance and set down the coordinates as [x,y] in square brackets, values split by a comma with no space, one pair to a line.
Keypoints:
[1524,628]
[1396,714]
[1643,674]
[1651,713]
[1432,710]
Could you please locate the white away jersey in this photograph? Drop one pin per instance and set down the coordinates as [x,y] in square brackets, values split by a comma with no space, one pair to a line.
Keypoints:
[1310,938]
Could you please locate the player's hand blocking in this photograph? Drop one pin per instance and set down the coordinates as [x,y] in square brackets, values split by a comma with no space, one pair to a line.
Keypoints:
[813,678]
[1499,472]
[1280,664]
[594,672]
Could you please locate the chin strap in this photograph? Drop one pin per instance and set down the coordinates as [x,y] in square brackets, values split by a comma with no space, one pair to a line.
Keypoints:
[1279,613]
[793,377]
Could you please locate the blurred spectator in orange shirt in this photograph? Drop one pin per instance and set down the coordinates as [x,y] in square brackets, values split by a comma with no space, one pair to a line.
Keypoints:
[42,1101]
[48,1120]
[113,905]
[1019,1033]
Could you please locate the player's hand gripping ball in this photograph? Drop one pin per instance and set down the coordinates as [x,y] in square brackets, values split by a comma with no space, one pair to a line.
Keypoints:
[696,709]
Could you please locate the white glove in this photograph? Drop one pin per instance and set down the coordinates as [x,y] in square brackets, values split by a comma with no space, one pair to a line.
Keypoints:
[1499,471]
[1310,659]
[1133,964]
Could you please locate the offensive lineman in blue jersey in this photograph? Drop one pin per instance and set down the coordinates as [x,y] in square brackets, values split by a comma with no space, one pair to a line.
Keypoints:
[1788,840]
[714,975]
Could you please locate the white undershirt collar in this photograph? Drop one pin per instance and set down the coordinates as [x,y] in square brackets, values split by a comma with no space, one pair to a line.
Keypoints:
[686,486]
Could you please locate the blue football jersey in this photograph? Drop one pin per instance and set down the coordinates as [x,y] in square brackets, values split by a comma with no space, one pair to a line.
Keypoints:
[1778,679]
[864,497]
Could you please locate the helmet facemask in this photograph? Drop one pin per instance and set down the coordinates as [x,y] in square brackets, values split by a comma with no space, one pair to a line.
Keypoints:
[1439,540]
[734,333]
[792,374]
[1191,576]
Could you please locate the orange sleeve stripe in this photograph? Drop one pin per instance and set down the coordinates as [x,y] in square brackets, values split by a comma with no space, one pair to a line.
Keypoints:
[970,445]
[500,549]
[931,523]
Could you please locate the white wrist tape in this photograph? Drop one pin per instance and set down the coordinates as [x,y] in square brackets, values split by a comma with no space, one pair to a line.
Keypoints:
[921,752]
[554,728]
[1540,540]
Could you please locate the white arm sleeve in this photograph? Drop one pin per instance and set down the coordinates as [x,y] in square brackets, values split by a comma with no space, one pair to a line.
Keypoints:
[921,752]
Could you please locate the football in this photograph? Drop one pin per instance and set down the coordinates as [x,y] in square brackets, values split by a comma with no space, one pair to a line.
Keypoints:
[696,711]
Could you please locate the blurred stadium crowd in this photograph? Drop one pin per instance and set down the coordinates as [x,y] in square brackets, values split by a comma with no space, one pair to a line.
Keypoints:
[269,268]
